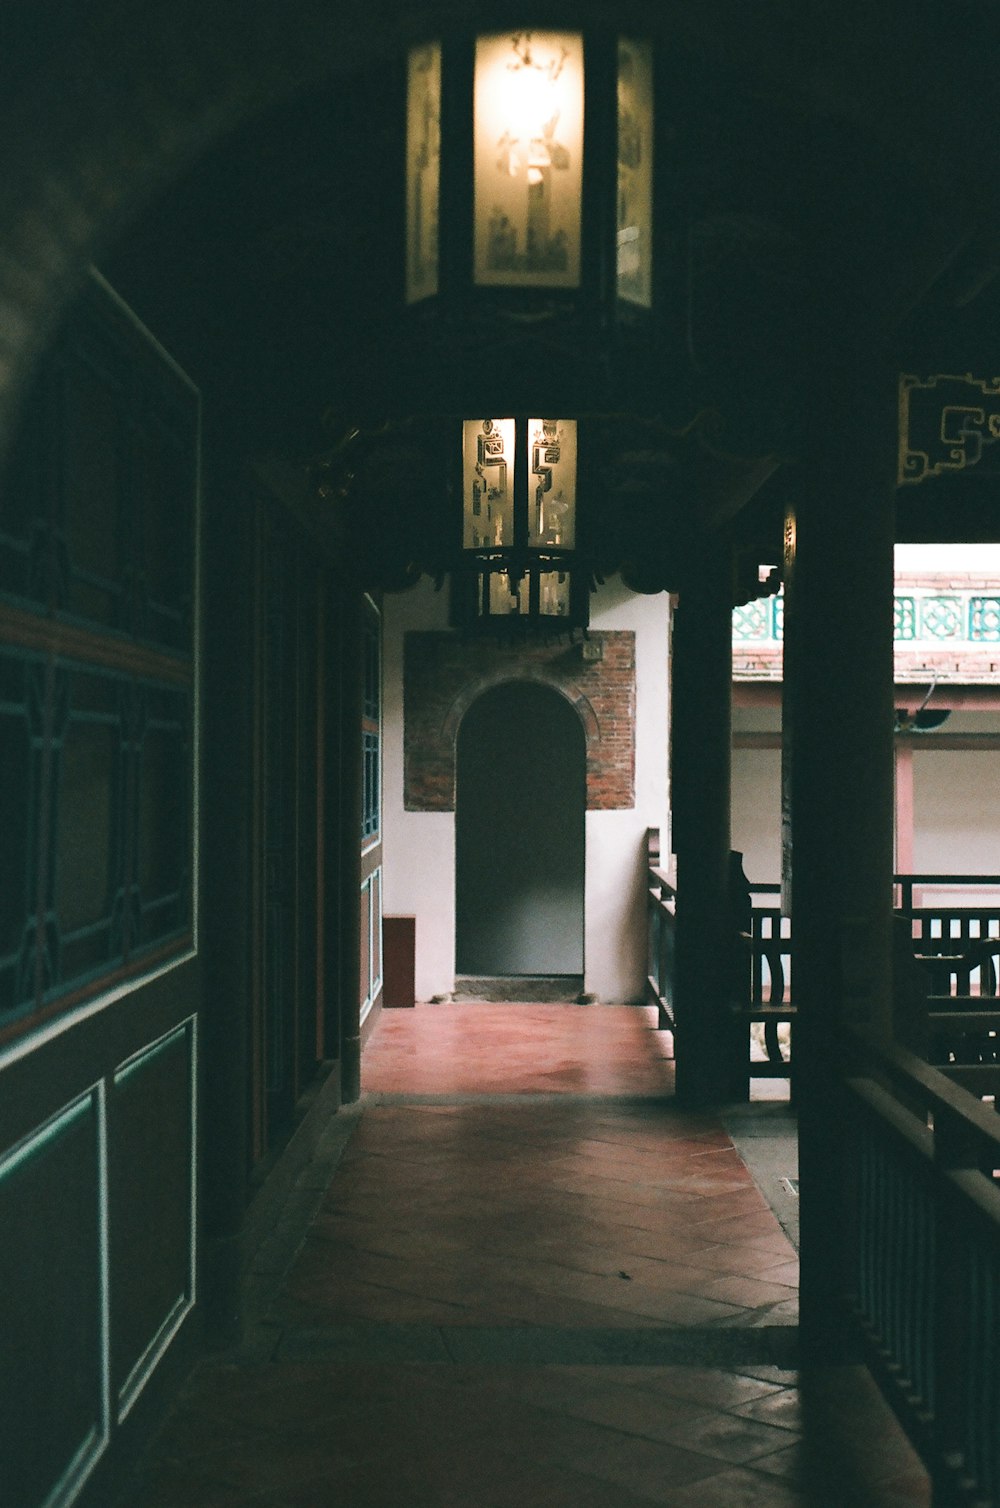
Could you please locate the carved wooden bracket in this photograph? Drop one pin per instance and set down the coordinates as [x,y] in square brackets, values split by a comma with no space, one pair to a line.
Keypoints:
[946,424]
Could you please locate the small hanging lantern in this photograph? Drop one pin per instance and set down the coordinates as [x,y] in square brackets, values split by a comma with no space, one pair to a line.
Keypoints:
[534,297]
[519,526]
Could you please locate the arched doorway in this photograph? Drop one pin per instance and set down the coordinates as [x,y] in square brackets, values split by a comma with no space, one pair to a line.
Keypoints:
[519,841]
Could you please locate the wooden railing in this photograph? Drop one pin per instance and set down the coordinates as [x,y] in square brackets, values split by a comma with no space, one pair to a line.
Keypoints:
[924,1161]
[921,1147]
[770,1000]
[661,906]
[958,948]
[935,894]
[955,923]
[960,1030]
[768,951]
[955,930]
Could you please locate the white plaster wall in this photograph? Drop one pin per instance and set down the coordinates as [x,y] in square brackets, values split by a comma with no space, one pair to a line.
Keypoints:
[614,929]
[956,800]
[956,810]
[419,847]
[756,813]
[941,557]
[756,797]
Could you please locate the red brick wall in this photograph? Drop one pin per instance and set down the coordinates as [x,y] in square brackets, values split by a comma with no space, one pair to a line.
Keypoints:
[443,675]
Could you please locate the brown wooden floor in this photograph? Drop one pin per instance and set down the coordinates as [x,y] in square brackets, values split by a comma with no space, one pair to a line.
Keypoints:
[529,1280]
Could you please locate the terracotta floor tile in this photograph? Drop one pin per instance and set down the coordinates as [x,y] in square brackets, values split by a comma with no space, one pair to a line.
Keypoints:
[545,1486]
[486,1227]
[738,1488]
[648,1468]
[632,1412]
[738,1258]
[729,1437]
[785,1272]
[750,1292]
[782,1409]
[737,1228]
[834,1477]
[704,1385]
[775,1241]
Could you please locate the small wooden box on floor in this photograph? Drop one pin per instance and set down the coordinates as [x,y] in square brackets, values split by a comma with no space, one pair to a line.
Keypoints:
[399,940]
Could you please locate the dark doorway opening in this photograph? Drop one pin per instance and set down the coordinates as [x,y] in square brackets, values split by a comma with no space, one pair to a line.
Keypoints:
[519,860]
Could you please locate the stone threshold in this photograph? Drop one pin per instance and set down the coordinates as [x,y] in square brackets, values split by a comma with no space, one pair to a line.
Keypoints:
[538,989]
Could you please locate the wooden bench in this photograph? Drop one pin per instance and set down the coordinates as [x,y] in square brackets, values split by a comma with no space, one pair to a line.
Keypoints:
[962,1014]
[769,954]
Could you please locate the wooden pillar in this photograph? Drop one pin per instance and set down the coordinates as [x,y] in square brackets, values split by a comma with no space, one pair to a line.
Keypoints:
[838,804]
[225,903]
[904,808]
[349,838]
[701,672]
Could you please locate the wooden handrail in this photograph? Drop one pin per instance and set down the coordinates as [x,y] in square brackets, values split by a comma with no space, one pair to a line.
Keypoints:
[661,921]
[966,1021]
[941,1096]
[920,1138]
[662,879]
[921,1154]
[956,942]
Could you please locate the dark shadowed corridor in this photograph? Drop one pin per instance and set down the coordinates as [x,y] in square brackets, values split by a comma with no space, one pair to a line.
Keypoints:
[527,1279]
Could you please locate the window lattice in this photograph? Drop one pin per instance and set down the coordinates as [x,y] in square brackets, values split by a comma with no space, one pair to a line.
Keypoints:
[984,618]
[904,618]
[751,621]
[371,736]
[941,618]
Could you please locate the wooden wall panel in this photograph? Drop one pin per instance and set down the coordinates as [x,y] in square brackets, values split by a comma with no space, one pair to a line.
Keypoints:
[151,1205]
[99,981]
[53,1355]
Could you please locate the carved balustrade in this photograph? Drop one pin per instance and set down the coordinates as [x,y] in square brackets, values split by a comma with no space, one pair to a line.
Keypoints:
[924,1160]
[661,929]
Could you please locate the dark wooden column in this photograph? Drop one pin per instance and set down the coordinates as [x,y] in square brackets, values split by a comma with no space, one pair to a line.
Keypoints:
[349,838]
[226,910]
[701,735]
[838,798]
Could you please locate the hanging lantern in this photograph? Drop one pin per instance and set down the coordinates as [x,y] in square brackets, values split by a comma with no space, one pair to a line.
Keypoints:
[529,245]
[516,165]
[519,562]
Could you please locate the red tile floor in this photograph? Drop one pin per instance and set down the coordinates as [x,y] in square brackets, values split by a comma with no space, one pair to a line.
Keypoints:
[529,1281]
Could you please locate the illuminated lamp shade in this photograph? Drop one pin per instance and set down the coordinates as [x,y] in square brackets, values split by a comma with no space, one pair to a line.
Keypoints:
[526,198]
[423,171]
[518,557]
[528,162]
[635,173]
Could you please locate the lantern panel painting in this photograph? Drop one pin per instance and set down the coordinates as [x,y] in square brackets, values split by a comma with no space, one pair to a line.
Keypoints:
[552,483]
[488,474]
[423,171]
[504,599]
[635,172]
[553,594]
[528,159]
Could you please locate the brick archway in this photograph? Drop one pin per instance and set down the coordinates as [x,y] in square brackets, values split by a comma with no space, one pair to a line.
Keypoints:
[444,674]
[571,693]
